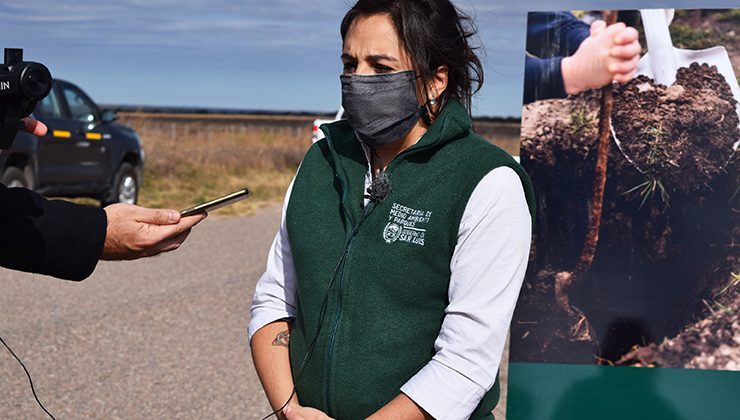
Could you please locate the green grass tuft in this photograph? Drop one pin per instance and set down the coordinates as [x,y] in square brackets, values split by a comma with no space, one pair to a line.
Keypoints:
[650,188]
[580,121]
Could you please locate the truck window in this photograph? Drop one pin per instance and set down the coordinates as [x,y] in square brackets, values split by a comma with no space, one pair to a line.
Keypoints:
[48,107]
[81,107]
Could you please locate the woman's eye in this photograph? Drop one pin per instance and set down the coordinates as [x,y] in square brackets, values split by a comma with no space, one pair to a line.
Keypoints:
[379,68]
[349,67]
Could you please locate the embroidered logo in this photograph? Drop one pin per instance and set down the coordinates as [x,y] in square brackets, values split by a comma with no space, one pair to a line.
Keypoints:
[391,232]
[406,225]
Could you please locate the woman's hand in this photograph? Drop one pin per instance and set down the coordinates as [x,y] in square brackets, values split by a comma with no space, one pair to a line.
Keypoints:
[608,54]
[296,412]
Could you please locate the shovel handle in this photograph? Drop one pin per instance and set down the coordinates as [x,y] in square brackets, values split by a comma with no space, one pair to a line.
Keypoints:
[663,62]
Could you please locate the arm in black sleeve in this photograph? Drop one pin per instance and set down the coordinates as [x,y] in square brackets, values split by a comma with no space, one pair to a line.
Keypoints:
[51,237]
[550,37]
[543,79]
[553,34]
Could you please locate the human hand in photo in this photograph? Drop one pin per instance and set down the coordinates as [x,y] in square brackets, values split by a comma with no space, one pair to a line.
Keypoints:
[35,127]
[297,412]
[608,54]
[135,232]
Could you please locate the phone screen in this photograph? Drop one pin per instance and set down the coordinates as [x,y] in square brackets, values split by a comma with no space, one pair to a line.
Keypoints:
[216,203]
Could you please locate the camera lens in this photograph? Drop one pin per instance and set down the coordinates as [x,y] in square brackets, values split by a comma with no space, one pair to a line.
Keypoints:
[35,81]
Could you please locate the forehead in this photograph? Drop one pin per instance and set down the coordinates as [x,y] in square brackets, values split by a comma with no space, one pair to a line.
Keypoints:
[373,34]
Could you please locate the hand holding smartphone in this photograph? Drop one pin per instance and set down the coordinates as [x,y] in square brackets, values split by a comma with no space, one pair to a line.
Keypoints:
[216,203]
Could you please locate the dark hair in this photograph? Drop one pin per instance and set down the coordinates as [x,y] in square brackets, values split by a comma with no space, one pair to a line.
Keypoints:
[434,33]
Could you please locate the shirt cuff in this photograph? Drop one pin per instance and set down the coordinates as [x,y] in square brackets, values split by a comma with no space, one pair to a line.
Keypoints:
[443,392]
[262,318]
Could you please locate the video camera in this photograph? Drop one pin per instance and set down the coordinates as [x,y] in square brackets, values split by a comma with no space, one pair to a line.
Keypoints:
[22,84]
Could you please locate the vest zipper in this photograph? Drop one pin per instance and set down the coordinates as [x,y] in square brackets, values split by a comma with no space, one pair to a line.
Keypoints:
[333,333]
[337,317]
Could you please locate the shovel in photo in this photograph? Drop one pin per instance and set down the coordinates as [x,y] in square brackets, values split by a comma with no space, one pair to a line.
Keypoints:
[662,61]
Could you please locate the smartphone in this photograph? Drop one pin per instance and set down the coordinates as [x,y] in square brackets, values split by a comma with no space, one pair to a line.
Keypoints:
[217,203]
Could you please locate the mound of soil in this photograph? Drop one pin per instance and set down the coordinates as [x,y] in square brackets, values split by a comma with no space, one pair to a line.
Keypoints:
[681,135]
[553,131]
[655,264]
[712,343]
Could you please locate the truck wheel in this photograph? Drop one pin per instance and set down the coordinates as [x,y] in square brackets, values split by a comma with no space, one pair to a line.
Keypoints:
[17,177]
[125,187]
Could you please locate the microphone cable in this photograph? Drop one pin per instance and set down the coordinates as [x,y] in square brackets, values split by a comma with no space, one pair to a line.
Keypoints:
[33,389]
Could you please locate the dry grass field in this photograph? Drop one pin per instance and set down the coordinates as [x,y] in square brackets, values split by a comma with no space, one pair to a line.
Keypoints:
[194,157]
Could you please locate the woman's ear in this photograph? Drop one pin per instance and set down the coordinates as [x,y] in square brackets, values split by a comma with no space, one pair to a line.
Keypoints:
[436,88]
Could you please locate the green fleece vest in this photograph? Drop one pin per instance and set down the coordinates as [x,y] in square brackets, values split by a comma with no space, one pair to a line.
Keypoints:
[378,276]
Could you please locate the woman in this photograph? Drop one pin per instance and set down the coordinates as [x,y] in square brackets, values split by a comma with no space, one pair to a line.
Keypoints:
[396,303]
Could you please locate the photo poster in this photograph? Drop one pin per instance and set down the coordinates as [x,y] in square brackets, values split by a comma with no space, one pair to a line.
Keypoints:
[631,301]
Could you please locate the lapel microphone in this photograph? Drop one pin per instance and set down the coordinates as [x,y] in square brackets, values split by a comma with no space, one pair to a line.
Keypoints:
[379,188]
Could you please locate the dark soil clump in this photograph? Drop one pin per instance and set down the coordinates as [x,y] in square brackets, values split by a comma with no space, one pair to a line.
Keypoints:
[681,135]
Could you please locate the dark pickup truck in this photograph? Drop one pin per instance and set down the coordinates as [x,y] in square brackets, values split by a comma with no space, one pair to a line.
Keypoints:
[84,154]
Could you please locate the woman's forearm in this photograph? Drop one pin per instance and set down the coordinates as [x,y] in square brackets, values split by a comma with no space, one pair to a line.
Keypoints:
[272,361]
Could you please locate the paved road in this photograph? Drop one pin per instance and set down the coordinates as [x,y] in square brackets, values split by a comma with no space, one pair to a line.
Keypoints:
[161,338]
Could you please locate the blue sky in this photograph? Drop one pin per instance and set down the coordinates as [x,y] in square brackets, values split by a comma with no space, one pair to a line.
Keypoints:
[246,54]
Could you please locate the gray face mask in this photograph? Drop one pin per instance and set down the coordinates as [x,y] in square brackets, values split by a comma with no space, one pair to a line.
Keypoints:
[381,108]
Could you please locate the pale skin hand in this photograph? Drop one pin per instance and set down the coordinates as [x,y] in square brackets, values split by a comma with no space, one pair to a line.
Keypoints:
[608,54]
[135,232]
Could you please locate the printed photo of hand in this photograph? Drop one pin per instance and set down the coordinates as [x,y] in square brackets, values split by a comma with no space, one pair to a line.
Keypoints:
[608,54]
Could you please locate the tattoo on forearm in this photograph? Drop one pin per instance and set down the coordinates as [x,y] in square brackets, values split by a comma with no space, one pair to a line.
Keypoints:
[282,339]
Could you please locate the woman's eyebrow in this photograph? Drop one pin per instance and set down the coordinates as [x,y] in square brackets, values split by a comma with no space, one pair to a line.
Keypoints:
[379,57]
[373,57]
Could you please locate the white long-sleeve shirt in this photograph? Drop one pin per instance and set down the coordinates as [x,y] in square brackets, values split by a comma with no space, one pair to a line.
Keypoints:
[487,271]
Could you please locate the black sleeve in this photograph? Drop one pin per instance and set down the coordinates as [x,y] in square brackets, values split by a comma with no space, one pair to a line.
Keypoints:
[553,34]
[51,237]
[550,37]
[543,79]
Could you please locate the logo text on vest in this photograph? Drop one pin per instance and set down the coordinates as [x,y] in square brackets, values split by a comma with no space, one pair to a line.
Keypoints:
[406,224]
